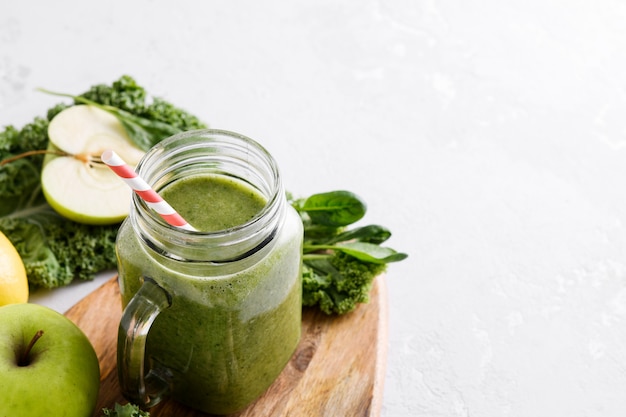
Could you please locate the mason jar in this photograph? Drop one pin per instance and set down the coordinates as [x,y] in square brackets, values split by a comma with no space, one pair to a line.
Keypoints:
[211,317]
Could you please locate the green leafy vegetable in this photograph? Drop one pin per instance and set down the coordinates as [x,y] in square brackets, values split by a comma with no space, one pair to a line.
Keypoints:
[125,94]
[55,250]
[336,208]
[337,284]
[340,264]
[127,410]
[367,252]
[145,133]
[372,233]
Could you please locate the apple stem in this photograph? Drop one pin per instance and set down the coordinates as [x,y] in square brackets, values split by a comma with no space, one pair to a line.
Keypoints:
[24,358]
[31,153]
[86,158]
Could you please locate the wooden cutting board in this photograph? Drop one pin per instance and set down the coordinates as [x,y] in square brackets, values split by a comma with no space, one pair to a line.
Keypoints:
[338,368]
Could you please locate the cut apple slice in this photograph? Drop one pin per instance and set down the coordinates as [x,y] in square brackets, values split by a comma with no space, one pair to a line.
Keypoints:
[78,186]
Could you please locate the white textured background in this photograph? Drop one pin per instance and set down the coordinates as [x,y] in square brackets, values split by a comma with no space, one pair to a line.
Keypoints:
[489,136]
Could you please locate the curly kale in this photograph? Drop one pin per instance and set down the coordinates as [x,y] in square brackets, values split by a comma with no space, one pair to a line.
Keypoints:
[127,410]
[55,250]
[125,94]
[21,177]
[340,264]
[336,283]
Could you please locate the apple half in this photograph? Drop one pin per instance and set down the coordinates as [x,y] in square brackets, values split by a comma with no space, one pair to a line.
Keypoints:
[77,184]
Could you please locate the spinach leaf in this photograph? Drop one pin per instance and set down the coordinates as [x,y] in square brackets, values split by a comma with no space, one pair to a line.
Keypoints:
[366,252]
[334,208]
[371,233]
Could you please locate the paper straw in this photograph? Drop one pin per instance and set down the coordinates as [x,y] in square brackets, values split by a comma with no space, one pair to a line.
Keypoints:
[141,187]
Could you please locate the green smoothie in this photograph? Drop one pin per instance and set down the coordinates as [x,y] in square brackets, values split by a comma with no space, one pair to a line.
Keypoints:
[229,201]
[231,328]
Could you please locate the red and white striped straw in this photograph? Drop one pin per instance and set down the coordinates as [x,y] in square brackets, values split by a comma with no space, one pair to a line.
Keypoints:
[141,187]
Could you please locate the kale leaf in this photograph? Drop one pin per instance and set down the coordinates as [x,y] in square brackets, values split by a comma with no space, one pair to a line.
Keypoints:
[127,410]
[125,94]
[338,282]
[55,250]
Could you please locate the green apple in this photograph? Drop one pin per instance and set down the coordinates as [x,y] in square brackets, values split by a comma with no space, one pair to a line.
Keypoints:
[76,183]
[48,367]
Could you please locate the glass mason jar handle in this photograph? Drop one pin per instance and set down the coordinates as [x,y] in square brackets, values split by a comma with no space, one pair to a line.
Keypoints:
[143,388]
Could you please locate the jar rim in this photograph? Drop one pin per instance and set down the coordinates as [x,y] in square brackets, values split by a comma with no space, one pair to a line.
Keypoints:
[179,152]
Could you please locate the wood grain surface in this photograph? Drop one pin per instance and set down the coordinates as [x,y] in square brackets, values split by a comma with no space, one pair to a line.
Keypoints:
[338,368]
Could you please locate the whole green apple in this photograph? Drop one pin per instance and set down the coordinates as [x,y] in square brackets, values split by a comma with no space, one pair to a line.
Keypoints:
[48,367]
